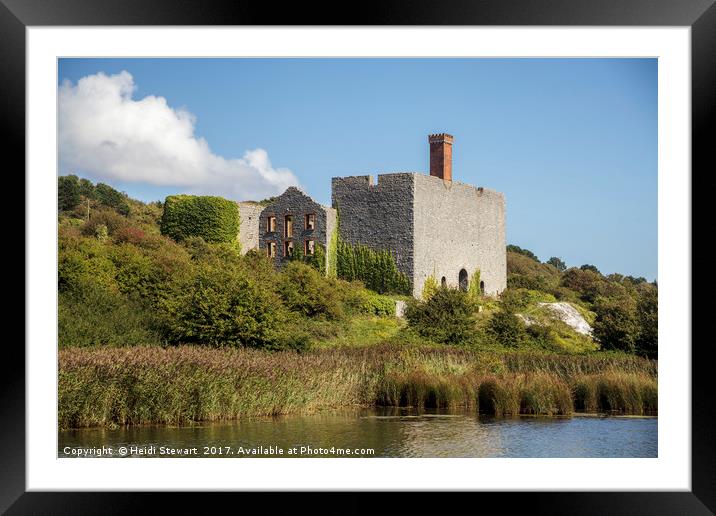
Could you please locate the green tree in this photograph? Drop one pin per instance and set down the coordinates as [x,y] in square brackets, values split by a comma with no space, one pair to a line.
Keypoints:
[112,198]
[648,317]
[525,252]
[616,325]
[590,267]
[68,192]
[558,263]
[86,188]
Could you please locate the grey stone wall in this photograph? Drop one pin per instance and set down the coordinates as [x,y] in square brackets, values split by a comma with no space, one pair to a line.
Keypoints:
[249,213]
[458,226]
[377,215]
[298,204]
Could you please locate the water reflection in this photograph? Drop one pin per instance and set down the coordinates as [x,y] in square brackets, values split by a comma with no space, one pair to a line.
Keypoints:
[392,432]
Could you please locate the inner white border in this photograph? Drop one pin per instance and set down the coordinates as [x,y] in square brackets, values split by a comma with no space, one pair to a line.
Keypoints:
[671,470]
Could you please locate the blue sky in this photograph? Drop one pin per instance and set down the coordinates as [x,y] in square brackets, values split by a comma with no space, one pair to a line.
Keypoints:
[571,142]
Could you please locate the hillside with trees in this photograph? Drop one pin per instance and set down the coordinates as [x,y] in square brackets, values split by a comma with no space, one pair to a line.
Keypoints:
[155,329]
[122,283]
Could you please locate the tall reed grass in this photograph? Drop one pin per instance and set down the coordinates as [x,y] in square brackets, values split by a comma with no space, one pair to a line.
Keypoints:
[138,385]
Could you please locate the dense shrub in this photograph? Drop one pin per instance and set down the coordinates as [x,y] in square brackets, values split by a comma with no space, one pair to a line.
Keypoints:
[304,290]
[215,219]
[223,306]
[447,317]
[84,261]
[507,329]
[112,220]
[616,325]
[90,315]
[317,260]
[363,301]
[429,288]
[129,235]
[516,299]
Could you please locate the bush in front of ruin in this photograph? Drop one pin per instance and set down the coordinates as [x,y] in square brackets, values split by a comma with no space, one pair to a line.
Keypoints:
[448,317]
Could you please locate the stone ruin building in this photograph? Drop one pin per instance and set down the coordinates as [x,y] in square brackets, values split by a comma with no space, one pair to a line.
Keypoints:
[434,226]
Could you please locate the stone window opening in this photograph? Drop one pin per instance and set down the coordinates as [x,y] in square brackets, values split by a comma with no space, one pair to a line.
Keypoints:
[270,224]
[463,281]
[288,226]
[443,282]
[271,249]
[310,221]
[310,248]
[482,288]
[288,248]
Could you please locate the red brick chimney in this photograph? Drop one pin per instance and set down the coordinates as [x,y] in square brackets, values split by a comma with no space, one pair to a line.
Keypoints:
[441,155]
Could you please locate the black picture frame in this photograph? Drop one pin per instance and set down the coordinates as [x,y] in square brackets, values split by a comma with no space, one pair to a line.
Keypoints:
[700,15]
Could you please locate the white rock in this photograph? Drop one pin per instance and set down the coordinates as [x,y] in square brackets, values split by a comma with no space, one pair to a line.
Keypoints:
[570,316]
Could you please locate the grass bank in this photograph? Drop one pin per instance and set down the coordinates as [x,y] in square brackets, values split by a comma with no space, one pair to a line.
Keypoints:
[178,385]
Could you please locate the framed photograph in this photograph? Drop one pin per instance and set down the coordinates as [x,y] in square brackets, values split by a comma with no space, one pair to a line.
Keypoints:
[432,249]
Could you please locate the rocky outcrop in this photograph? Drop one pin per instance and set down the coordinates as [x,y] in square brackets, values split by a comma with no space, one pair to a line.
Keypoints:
[570,316]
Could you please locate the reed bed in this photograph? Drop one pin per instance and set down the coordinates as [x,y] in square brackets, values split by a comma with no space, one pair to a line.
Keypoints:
[179,385]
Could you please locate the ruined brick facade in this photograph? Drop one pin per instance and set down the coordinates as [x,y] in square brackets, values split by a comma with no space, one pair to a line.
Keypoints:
[293,213]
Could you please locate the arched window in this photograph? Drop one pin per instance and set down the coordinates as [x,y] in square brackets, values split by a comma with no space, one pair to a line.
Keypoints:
[463,280]
[443,282]
[482,288]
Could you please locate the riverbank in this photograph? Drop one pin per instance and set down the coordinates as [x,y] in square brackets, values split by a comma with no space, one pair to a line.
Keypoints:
[178,385]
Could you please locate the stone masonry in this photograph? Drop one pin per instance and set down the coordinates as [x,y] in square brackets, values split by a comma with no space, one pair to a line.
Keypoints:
[297,205]
[433,226]
[249,213]
[379,216]
[458,227]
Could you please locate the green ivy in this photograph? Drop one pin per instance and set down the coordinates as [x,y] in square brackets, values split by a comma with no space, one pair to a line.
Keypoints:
[215,219]
[331,265]
[375,268]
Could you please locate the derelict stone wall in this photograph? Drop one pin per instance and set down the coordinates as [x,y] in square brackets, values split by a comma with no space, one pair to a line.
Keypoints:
[458,226]
[249,213]
[297,204]
[377,215]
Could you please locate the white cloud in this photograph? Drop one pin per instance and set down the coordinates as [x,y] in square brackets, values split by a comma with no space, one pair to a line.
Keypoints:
[103,131]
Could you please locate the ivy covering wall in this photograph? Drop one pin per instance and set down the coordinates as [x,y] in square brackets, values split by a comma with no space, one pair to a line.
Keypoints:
[215,219]
[332,259]
[375,268]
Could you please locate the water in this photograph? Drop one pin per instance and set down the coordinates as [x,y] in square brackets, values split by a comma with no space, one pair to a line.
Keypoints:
[388,432]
